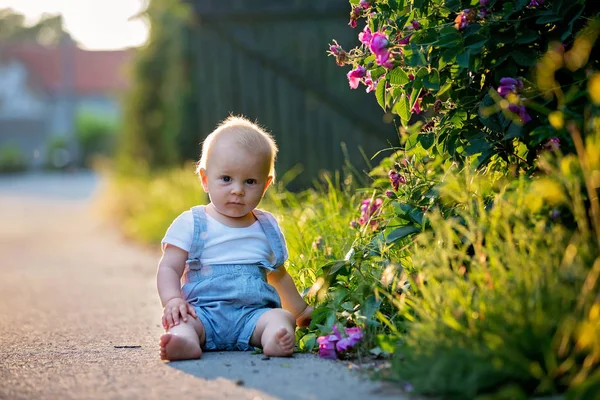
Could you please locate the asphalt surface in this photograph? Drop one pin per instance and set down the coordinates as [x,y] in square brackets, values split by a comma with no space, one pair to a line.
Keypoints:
[80,317]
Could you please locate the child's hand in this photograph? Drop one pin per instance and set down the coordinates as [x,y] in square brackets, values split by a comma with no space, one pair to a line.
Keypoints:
[175,310]
[304,318]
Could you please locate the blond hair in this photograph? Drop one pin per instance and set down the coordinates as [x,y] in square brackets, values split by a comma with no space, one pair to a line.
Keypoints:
[245,133]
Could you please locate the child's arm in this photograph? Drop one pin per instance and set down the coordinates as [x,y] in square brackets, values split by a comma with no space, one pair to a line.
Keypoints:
[168,281]
[290,298]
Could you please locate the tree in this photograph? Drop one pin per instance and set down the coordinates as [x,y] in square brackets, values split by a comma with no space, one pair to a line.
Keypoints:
[48,30]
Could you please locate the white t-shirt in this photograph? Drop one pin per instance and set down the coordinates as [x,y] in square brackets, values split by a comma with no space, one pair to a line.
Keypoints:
[223,244]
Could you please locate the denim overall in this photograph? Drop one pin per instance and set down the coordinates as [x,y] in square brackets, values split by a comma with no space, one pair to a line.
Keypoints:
[230,298]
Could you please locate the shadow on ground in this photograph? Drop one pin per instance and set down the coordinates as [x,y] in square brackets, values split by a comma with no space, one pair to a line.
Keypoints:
[302,377]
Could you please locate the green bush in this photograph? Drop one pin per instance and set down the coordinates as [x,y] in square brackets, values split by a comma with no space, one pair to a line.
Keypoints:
[461,75]
[12,159]
[95,136]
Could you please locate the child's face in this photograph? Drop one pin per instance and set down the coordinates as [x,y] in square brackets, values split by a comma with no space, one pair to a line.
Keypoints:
[235,178]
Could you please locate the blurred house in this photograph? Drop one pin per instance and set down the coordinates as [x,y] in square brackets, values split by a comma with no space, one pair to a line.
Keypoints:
[42,89]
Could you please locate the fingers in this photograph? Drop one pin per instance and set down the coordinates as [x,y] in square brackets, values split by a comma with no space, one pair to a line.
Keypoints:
[175,315]
[183,311]
[192,311]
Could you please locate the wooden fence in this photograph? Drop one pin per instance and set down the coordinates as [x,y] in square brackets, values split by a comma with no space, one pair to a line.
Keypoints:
[266,59]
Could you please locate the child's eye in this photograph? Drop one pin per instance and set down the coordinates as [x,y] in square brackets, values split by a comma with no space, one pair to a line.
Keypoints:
[226,178]
[250,181]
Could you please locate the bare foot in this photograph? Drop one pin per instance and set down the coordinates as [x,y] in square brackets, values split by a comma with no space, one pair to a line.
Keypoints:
[280,345]
[173,347]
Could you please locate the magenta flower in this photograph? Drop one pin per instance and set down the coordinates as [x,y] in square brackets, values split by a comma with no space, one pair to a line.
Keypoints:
[535,3]
[464,19]
[368,210]
[335,49]
[365,4]
[509,85]
[521,110]
[405,40]
[415,24]
[390,194]
[356,75]
[365,36]
[326,348]
[417,107]
[379,46]
[348,342]
[354,15]
[331,345]
[396,179]
[552,145]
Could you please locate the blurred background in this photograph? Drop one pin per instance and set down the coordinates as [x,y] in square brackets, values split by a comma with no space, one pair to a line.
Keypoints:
[143,82]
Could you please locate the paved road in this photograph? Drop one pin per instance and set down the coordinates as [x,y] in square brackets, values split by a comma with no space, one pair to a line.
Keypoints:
[72,291]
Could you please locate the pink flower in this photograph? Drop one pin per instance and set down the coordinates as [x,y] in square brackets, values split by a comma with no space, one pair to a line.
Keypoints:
[331,345]
[369,209]
[417,107]
[365,36]
[552,145]
[354,15]
[396,179]
[390,194]
[405,40]
[371,84]
[356,75]
[335,49]
[326,348]
[354,336]
[378,46]
[365,4]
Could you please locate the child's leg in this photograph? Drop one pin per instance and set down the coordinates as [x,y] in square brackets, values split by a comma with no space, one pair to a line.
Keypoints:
[274,332]
[183,341]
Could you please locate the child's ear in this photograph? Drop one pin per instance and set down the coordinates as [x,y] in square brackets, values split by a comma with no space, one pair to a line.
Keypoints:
[269,180]
[204,179]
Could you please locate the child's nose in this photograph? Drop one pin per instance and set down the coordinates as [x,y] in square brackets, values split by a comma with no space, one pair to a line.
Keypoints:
[237,190]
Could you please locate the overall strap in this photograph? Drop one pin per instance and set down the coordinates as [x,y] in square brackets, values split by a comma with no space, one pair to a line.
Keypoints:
[199,236]
[273,237]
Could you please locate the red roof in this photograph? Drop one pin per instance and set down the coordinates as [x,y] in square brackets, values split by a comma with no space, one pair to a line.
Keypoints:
[92,72]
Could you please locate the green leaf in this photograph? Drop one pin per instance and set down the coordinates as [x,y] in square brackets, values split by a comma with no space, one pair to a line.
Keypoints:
[445,88]
[463,59]
[377,72]
[514,131]
[449,56]
[380,93]
[308,342]
[427,140]
[432,80]
[401,233]
[449,37]
[546,19]
[475,42]
[414,214]
[387,343]
[525,57]
[527,36]
[402,108]
[397,76]
[333,267]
